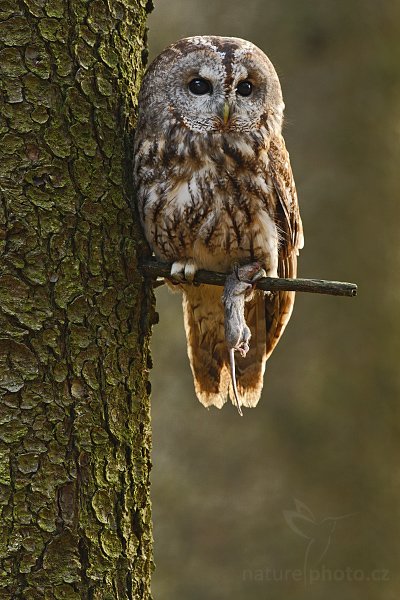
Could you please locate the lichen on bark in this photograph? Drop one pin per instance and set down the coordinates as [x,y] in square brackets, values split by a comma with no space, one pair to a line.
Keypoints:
[75,312]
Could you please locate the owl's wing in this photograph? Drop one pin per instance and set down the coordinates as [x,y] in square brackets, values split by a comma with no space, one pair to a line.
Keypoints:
[288,213]
[268,315]
[278,307]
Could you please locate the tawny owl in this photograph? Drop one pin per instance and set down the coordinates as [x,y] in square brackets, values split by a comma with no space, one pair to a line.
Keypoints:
[215,188]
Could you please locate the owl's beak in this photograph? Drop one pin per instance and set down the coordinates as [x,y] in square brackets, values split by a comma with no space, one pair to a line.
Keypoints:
[226,112]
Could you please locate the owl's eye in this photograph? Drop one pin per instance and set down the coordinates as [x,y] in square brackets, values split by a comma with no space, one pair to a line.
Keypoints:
[199,86]
[244,88]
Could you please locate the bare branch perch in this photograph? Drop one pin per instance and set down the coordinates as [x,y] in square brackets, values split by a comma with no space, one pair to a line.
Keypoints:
[153,268]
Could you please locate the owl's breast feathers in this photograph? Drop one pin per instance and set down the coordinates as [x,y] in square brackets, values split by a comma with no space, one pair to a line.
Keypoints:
[210,197]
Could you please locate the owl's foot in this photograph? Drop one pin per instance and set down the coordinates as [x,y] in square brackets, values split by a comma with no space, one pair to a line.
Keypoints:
[272,271]
[250,274]
[259,275]
[183,271]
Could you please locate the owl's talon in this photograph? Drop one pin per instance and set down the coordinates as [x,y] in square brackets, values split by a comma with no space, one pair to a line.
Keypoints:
[190,270]
[259,275]
[177,271]
[183,271]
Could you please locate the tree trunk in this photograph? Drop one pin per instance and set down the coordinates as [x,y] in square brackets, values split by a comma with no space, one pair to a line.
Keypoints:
[74,310]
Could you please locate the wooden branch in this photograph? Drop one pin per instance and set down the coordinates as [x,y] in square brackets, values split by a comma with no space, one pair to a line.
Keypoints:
[153,268]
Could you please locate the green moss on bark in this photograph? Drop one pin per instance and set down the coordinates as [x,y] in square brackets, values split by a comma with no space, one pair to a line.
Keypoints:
[74,310]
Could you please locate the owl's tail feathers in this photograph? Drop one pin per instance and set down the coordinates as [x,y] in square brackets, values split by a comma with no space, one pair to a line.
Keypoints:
[266,316]
[208,352]
[203,317]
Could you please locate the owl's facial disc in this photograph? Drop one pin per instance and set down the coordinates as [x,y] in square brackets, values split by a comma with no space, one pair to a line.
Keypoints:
[220,92]
[214,84]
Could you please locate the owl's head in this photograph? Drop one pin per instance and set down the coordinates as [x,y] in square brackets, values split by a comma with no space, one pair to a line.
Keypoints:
[209,84]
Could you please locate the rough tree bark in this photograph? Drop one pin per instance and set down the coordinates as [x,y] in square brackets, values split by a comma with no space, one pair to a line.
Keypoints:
[74,311]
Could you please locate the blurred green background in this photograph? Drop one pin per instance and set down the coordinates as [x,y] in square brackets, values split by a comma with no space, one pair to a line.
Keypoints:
[324,441]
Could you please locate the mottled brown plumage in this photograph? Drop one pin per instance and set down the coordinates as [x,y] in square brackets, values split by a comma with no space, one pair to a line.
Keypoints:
[214,188]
